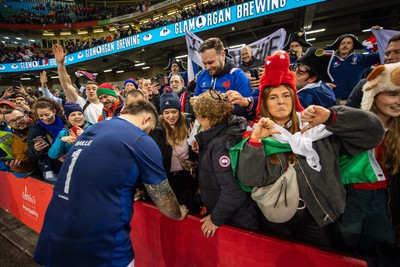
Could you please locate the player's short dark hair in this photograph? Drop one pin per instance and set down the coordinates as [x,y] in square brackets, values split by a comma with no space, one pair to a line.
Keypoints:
[141,107]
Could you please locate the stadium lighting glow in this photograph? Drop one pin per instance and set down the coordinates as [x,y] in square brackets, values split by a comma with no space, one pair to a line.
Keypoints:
[366,30]
[315,31]
[119,71]
[48,34]
[98,30]
[65,33]
[145,68]
[236,46]
[110,70]
[25,79]
[311,39]
[183,56]
[140,64]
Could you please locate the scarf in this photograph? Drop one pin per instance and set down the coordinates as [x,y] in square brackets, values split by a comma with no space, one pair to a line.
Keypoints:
[54,128]
[301,144]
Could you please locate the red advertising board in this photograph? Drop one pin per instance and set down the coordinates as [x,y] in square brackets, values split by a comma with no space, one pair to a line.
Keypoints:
[162,242]
[26,199]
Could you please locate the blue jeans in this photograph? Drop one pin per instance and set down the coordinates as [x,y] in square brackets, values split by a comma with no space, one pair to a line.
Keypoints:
[366,220]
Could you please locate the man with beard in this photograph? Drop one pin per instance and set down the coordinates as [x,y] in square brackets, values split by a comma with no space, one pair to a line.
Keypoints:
[92,107]
[22,165]
[221,75]
[110,100]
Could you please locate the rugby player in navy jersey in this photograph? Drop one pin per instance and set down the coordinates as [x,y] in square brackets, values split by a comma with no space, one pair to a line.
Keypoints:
[87,222]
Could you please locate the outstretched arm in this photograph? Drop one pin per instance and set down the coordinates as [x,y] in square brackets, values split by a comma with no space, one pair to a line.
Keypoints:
[64,78]
[45,90]
[165,199]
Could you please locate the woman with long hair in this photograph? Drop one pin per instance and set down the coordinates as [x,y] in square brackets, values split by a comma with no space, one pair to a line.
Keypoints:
[288,139]
[367,223]
[171,137]
[49,121]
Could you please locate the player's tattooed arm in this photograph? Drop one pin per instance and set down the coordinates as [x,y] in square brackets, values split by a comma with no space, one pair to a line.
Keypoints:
[165,199]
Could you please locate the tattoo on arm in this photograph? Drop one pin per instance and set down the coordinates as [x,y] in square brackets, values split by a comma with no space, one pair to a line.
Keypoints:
[165,199]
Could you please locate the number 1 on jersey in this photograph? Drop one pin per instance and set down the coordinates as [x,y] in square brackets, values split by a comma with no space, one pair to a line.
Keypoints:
[74,156]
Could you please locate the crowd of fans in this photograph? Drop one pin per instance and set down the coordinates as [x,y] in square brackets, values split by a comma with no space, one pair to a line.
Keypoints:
[292,96]
[21,54]
[50,13]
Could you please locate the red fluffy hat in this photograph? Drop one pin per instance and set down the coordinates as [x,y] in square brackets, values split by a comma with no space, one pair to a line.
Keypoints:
[277,72]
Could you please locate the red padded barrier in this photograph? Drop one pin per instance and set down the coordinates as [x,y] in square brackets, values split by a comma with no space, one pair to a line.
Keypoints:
[27,199]
[166,243]
[162,242]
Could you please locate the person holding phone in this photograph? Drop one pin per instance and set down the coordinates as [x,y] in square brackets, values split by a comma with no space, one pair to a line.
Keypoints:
[49,121]
[75,126]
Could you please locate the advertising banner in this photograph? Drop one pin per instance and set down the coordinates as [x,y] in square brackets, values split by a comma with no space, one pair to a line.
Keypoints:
[230,15]
[27,199]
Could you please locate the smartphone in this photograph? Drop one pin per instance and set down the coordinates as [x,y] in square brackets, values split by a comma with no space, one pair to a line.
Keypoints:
[159,80]
[16,84]
[254,73]
[74,130]
[39,140]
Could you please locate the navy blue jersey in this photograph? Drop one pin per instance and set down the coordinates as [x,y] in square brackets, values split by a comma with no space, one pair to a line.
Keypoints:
[88,219]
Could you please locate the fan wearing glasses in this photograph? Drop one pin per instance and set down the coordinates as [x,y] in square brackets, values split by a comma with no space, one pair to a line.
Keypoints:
[22,165]
[312,74]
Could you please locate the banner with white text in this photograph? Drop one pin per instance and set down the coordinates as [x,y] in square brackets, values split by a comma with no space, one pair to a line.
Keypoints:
[230,15]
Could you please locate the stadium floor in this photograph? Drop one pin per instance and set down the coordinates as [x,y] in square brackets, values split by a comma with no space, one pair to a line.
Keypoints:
[17,242]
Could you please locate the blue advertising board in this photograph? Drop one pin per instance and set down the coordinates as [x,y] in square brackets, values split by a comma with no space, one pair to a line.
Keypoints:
[234,14]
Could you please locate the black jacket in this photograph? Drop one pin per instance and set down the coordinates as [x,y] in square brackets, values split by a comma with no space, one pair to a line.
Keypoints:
[44,162]
[222,196]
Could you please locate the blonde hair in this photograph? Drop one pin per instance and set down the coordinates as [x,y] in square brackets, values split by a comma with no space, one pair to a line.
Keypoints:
[295,127]
[391,145]
[178,135]
[214,110]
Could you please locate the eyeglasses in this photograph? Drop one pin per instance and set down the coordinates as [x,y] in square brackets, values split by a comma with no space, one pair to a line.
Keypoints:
[299,72]
[13,121]
[217,96]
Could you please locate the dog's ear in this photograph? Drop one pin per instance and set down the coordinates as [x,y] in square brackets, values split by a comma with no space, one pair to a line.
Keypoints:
[376,72]
[395,76]
[372,76]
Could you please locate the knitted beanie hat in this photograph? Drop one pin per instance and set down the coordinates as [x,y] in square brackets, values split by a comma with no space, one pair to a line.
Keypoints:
[106,89]
[384,78]
[131,80]
[70,107]
[169,100]
[276,73]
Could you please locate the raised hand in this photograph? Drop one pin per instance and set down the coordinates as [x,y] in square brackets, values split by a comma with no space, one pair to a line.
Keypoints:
[59,53]
[265,127]
[314,115]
